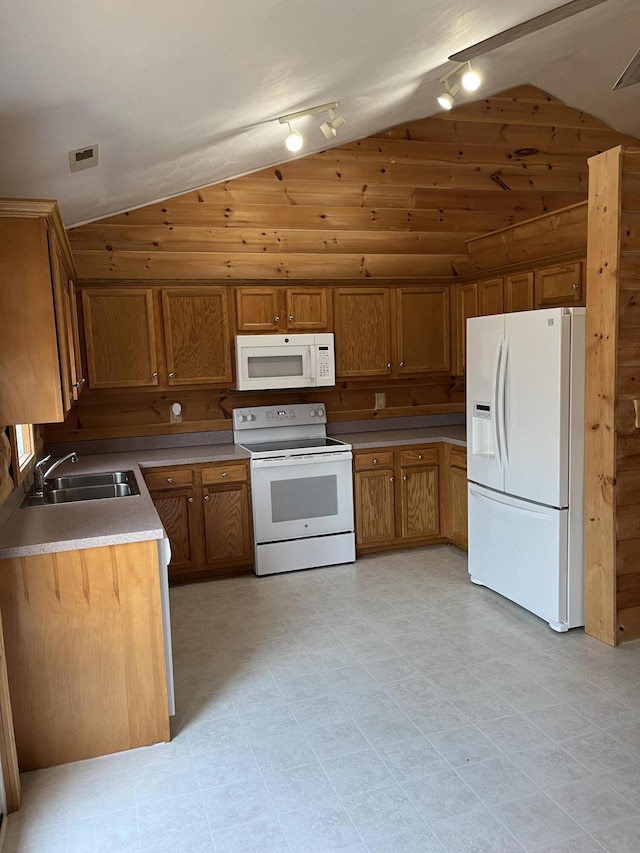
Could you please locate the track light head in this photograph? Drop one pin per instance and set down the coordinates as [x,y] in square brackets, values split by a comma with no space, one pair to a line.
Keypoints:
[446,98]
[471,80]
[294,140]
[330,128]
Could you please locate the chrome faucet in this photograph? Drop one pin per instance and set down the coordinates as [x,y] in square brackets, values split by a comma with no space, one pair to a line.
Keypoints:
[39,476]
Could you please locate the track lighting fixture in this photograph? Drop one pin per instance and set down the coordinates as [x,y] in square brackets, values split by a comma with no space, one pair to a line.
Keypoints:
[294,140]
[469,80]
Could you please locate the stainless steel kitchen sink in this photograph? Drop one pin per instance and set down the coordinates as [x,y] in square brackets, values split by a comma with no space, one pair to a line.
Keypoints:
[104,478]
[87,493]
[85,487]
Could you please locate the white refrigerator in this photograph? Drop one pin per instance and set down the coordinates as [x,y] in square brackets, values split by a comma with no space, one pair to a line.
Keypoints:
[525,459]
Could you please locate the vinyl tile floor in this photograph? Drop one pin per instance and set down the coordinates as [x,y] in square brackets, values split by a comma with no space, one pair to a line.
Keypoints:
[388,706]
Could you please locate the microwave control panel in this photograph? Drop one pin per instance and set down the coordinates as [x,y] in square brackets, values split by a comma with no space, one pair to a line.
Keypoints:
[325,367]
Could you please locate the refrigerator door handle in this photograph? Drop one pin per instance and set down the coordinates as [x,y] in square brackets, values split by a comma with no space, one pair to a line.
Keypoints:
[495,394]
[501,408]
[530,513]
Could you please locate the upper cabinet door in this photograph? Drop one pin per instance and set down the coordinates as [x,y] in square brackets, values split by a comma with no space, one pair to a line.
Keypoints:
[258,309]
[307,309]
[467,307]
[120,337]
[424,344]
[559,285]
[490,297]
[30,377]
[363,331]
[197,335]
[518,292]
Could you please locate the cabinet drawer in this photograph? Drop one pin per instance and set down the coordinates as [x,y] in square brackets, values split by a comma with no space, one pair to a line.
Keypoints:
[168,478]
[373,460]
[458,458]
[234,472]
[420,456]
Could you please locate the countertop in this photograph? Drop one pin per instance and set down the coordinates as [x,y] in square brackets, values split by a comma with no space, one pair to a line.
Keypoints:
[92,524]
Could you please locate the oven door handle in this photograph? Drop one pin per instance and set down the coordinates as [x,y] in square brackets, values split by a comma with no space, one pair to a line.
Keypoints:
[291,461]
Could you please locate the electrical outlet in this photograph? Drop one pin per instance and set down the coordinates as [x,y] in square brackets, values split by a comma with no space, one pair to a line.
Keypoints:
[381,401]
[175,413]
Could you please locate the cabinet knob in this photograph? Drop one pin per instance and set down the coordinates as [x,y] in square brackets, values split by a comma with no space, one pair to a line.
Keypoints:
[291,319]
[76,384]
[402,364]
[154,375]
[206,497]
[388,364]
[375,461]
[82,381]
[276,319]
[171,375]
[406,477]
[575,286]
[190,500]
[224,474]
[392,479]
[169,479]
[419,455]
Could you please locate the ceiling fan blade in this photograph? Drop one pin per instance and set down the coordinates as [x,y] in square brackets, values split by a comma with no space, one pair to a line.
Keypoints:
[554,16]
[630,75]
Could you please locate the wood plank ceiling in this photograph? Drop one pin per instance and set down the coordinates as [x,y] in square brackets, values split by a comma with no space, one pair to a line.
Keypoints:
[399,204]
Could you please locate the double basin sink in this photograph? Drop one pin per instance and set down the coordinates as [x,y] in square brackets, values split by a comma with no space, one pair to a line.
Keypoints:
[84,487]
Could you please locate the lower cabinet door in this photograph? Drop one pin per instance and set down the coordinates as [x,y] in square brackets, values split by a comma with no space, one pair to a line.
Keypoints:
[178,513]
[374,507]
[227,524]
[458,506]
[420,508]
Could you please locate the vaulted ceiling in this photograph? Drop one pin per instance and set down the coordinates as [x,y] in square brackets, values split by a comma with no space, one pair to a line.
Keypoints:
[183,95]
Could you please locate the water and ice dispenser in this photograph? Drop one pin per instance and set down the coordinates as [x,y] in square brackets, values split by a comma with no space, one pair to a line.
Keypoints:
[482,431]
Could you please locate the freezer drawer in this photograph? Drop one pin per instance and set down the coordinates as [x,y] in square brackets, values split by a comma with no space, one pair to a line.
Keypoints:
[519,549]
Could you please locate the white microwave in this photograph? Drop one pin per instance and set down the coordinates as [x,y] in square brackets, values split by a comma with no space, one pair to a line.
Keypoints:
[269,362]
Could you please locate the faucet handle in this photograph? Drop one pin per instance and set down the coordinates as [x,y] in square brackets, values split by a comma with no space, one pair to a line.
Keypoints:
[43,461]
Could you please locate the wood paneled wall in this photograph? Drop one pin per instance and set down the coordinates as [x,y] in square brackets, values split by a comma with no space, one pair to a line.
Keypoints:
[612,493]
[399,204]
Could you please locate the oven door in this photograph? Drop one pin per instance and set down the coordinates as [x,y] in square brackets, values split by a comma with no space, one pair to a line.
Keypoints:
[300,496]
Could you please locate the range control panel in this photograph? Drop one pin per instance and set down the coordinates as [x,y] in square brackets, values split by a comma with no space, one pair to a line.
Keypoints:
[299,414]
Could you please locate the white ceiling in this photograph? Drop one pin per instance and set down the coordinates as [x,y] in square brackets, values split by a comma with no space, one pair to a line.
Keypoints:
[184,94]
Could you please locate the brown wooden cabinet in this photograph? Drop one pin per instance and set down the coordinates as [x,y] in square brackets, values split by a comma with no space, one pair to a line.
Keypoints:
[39,378]
[518,292]
[263,309]
[196,335]
[206,513]
[490,297]
[120,337]
[559,285]
[396,497]
[424,341]
[466,307]
[457,496]
[419,499]
[147,337]
[374,489]
[382,331]
[363,331]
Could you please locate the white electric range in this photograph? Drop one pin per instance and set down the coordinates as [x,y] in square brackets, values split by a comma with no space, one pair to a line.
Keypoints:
[301,485]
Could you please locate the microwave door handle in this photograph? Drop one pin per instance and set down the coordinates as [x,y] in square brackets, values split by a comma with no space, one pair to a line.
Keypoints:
[313,355]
